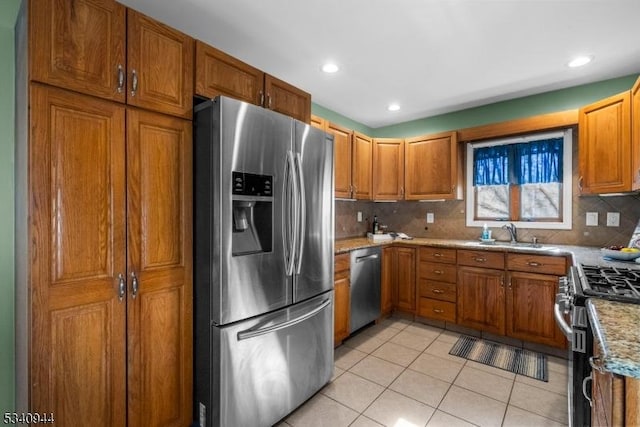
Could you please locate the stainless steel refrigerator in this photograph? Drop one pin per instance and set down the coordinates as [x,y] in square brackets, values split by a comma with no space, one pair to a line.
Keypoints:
[263,249]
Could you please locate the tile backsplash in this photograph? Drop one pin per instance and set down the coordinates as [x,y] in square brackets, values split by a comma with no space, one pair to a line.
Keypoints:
[410,218]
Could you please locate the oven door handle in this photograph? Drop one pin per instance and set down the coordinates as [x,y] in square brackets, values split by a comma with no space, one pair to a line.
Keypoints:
[584,389]
[562,323]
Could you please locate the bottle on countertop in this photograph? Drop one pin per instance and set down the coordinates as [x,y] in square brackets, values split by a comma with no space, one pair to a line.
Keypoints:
[376,226]
[486,233]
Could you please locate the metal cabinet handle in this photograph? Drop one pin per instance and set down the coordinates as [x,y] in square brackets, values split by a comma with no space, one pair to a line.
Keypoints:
[120,78]
[437,255]
[134,82]
[437,291]
[438,271]
[478,259]
[580,181]
[122,287]
[261,98]
[584,389]
[269,100]
[596,363]
[401,190]
[437,310]
[534,264]
[134,285]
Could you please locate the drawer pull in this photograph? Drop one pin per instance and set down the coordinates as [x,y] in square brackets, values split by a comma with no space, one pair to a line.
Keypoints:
[437,255]
[438,271]
[478,259]
[437,310]
[534,264]
[437,291]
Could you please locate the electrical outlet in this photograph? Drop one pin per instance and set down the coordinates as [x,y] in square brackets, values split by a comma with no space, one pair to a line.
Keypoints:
[430,218]
[613,219]
[592,219]
[359,216]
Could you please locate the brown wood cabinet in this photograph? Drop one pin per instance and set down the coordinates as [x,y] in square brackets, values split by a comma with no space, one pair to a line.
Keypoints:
[437,289]
[218,73]
[388,169]
[388,277]
[342,159]
[399,276]
[142,62]
[481,299]
[361,157]
[605,146]
[342,298]
[635,134]
[318,122]
[110,268]
[431,167]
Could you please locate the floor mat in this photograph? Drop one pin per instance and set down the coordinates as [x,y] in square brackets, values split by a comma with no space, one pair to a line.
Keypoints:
[513,359]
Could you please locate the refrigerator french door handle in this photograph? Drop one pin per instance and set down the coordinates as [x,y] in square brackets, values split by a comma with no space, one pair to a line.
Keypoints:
[251,333]
[288,223]
[302,213]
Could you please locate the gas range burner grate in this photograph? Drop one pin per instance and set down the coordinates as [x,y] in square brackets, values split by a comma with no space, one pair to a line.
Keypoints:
[619,284]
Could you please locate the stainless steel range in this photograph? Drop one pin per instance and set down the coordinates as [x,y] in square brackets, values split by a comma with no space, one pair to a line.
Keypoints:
[588,281]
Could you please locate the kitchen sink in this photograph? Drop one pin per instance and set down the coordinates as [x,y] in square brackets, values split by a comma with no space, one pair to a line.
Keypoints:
[518,245]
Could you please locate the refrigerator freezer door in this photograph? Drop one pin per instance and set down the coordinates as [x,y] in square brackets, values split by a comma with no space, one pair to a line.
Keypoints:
[271,364]
[314,256]
[240,244]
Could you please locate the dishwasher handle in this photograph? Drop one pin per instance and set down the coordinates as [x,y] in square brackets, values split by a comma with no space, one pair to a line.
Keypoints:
[367,258]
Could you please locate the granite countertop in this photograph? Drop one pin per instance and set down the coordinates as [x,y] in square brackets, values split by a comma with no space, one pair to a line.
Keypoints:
[616,327]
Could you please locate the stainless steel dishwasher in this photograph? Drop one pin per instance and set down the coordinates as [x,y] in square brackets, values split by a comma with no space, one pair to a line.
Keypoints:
[365,287]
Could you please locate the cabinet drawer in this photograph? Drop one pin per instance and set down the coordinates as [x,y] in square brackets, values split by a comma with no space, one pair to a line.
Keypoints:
[537,264]
[485,259]
[435,309]
[438,255]
[342,262]
[437,290]
[438,271]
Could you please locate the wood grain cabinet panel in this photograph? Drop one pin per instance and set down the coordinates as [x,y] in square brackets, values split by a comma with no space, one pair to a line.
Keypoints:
[287,99]
[342,158]
[431,167]
[79,45]
[399,278]
[362,152]
[78,217]
[220,74]
[318,122]
[635,134]
[530,300]
[342,298]
[387,280]
[481,299]
[160,66]
[388,169]
[605,145]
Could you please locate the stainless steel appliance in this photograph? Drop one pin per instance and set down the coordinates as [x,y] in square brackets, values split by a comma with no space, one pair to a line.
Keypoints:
[263,250]
[586,281]
[365,287]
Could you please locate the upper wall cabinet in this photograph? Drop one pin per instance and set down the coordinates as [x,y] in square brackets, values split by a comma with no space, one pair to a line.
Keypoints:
[431,167]
[218,73]
[362,152]
[87,53]
[635,133]
[388,169]
[605,145]
[160,66]
[102,49]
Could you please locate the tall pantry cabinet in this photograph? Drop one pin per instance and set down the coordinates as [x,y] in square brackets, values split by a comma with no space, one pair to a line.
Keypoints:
[104,263]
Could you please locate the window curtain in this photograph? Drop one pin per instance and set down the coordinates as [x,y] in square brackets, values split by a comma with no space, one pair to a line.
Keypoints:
[532,162]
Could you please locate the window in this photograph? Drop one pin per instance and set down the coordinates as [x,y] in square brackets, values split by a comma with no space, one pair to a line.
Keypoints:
[525,180]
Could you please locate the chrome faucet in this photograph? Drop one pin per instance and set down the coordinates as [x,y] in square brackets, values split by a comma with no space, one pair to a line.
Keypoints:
[513,231]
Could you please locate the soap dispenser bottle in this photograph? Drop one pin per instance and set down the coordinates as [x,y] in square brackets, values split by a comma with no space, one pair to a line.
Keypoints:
[375,225]
[486,234]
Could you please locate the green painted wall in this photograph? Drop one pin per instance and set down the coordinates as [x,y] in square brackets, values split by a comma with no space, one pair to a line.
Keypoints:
[549,102]
[8,11]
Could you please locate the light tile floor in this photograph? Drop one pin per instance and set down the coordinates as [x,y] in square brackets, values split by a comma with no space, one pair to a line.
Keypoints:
[400,374]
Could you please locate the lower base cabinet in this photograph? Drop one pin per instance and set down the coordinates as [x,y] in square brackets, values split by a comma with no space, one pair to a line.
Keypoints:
[342,298]
[399,279]
[481,299]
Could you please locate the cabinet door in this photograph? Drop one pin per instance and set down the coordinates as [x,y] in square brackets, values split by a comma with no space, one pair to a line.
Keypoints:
[530,300]
[287,99]
[318,122]
[406,279]
[79,45]
[342,159]
[431,167]
[362,152]
[605,146]
[220,74]
[481,299]
[608,393]
[387,280]
[160,66]
[635,133]
[160,329]
[388,169]
[77,221]
[342,305]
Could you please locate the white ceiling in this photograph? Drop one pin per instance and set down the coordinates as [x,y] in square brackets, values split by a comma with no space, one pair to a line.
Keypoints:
[430,56]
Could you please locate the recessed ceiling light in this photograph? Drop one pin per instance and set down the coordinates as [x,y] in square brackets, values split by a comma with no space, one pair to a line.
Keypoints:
[393,107]
[330,67]
[580,61]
